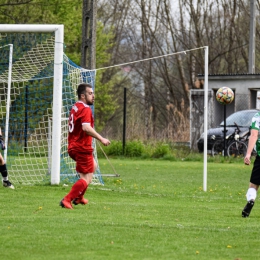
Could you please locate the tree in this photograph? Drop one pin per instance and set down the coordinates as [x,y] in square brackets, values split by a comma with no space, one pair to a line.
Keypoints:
[106,104]
[158,88]
[151,28]
[5,7]
[69,13]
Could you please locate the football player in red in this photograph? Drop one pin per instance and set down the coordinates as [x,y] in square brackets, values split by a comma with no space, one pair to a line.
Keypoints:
[81,132]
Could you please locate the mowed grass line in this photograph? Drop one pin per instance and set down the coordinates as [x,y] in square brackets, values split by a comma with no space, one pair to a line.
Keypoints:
[154,210]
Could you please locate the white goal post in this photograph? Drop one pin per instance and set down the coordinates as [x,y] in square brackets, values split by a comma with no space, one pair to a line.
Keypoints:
[36,102]
[205,153]
[57,85]
[8,98]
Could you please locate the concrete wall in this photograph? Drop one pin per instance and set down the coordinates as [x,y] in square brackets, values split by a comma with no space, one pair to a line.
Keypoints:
[245,88]
[240,83]
[247,95]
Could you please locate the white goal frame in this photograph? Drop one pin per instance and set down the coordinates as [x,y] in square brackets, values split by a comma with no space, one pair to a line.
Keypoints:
[58,29]
[8,99]
[205,152]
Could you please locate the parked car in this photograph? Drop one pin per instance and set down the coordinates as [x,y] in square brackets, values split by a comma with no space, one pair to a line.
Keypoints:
[242,118]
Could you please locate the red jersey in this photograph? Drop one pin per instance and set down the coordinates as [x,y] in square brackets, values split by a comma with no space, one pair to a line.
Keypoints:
[78,140]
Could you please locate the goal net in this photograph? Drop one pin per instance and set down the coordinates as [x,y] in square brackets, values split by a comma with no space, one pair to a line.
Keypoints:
[35,136]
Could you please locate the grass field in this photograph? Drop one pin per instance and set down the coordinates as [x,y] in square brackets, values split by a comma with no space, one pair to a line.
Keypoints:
[154,210]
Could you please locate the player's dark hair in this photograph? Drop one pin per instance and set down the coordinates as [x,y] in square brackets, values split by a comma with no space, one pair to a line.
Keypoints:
[82,88]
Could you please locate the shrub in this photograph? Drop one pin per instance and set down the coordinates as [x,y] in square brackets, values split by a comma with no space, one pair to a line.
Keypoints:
[161,150]
[115,148]
[158,150]
[134,149]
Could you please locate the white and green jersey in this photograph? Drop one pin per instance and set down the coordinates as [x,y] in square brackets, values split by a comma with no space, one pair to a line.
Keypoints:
[256,125]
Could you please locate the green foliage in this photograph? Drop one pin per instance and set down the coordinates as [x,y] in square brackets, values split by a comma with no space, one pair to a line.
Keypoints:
[114,149]
[139,149]
[17,147]
[14,147]
[134,149]
[104,42]
[69,13]
[105,103]
[161,149]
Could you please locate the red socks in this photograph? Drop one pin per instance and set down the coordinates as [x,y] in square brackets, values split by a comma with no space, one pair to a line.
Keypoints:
[82,194]
[77,190]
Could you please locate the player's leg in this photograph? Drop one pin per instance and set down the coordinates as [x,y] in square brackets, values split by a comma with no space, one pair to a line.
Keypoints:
[4,173]
[85,166]
[253,188]
[87,177]
[78,188]
[251,196]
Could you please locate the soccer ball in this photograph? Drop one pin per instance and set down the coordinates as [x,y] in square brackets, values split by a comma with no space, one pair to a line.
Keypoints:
[225,95]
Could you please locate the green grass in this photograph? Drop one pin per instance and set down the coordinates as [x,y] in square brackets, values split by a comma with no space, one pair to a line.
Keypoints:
[156,209]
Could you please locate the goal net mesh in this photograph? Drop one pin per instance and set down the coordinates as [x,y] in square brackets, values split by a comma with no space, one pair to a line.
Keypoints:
[28,153]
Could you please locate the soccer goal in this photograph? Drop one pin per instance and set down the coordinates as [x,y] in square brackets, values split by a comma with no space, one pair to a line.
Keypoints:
[37,89]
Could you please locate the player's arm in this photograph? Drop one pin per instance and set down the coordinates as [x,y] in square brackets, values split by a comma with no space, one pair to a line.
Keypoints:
[92,132]
[251,143]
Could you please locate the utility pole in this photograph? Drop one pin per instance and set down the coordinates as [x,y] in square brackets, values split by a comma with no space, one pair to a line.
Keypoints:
[88,48]
[124,122]
[251,65]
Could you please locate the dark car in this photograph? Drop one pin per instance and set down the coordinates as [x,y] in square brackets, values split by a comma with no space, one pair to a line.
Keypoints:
[242,118]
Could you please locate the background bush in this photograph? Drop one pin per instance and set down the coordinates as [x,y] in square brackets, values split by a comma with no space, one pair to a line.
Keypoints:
[157,150]
[139,149]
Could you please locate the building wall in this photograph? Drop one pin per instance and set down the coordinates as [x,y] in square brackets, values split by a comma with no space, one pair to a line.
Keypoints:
[245,88]
[242,84]
[247,95]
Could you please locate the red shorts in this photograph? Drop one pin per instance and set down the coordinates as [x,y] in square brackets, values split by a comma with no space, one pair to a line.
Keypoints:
[84,161]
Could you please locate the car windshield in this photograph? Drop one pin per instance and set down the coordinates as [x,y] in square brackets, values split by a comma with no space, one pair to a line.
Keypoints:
[241,118]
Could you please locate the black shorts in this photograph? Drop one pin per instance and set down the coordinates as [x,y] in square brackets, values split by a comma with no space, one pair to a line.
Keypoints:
[255,175]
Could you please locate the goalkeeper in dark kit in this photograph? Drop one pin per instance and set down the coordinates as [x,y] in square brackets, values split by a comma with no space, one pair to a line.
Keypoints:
[3,169]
